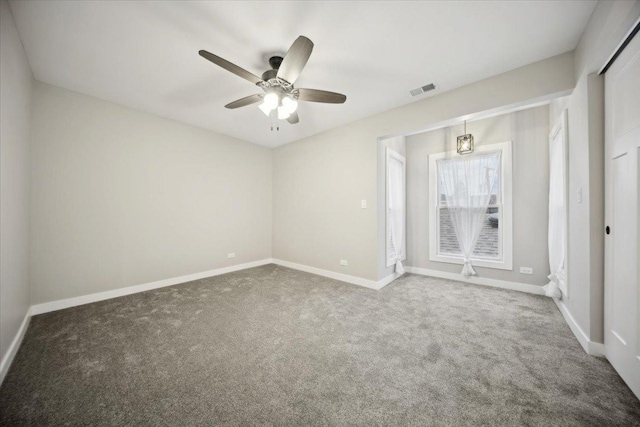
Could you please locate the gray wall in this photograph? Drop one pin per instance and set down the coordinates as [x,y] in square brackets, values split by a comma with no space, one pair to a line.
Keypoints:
[529,132]
[120,197]
[319,181]
[16,83]
[585,275]
[607,27]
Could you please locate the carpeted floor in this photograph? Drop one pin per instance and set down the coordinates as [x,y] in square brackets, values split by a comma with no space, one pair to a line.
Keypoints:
[274,346]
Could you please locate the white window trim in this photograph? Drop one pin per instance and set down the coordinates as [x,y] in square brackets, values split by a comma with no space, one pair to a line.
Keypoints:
[392,154]
[506,215]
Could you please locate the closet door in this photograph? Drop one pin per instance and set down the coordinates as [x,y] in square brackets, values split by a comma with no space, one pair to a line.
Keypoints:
[622,153]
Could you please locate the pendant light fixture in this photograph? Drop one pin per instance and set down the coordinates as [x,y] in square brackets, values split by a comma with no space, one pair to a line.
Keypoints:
[465,142]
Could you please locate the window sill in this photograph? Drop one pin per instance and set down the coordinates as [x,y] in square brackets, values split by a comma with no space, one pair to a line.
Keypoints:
[476,262]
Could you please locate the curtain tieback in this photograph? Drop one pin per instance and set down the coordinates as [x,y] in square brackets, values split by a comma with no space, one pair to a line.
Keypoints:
[467,269]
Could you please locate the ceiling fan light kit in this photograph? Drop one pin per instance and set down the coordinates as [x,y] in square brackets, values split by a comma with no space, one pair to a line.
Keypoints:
[277,83]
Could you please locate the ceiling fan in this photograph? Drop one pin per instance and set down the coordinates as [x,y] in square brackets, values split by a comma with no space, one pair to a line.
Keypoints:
[277,83]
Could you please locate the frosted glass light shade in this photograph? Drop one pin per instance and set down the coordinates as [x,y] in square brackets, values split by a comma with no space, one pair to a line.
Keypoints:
[269,103]
[289,104]
[283,113]
[265,109]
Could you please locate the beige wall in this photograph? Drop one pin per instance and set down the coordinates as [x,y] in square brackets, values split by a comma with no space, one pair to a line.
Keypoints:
[16,85]
[318,185]
[610,21]
[529,132]
[120,197]
[319,181]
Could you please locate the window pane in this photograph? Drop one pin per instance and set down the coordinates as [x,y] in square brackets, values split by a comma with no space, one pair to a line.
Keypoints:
[479,167]
[448,241]
[488,245]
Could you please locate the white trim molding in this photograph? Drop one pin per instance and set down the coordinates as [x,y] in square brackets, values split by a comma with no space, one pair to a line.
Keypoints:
[390,278]
[371,284]
[15,345]
[115,293]
[101,296]
[495,283]
[592,348]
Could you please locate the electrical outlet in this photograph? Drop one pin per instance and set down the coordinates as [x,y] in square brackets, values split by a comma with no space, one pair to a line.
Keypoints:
[526,270]
[343,262]
[363,204]
[231,255]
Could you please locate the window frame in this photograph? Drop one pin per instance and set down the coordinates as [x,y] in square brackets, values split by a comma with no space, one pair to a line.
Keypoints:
[505,261]
[399,157]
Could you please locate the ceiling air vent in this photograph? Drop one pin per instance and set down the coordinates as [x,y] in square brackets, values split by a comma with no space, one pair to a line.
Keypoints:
[423,89]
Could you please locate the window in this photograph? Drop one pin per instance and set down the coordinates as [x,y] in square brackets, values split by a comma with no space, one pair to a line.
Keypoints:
[558,205]
[395,206]
[494,247]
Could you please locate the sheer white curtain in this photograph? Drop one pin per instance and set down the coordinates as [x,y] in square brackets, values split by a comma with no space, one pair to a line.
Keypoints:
[396,209]
[557,217]
[466,184]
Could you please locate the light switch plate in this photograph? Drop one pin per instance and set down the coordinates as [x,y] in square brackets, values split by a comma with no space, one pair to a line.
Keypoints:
[526,270]
[363,204]
[231,255]
[343,262]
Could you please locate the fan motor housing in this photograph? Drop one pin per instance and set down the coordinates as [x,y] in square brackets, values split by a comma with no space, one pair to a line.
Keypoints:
[275,62]
[269,74]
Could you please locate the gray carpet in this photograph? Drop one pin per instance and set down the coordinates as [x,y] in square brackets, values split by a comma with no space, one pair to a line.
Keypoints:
[274,346]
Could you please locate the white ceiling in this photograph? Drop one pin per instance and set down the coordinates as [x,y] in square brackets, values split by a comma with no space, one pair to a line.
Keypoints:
[145,54]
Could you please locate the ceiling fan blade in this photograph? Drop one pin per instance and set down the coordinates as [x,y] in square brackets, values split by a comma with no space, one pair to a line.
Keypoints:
[315,95]
[242,102]
[295,59]
[230,67]
[293,118]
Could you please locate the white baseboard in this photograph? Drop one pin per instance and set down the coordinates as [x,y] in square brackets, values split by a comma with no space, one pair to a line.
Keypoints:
[503,284]
[101,296]
[390,278]
[371,284]
[590,347]
[597,349]
[15,345]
